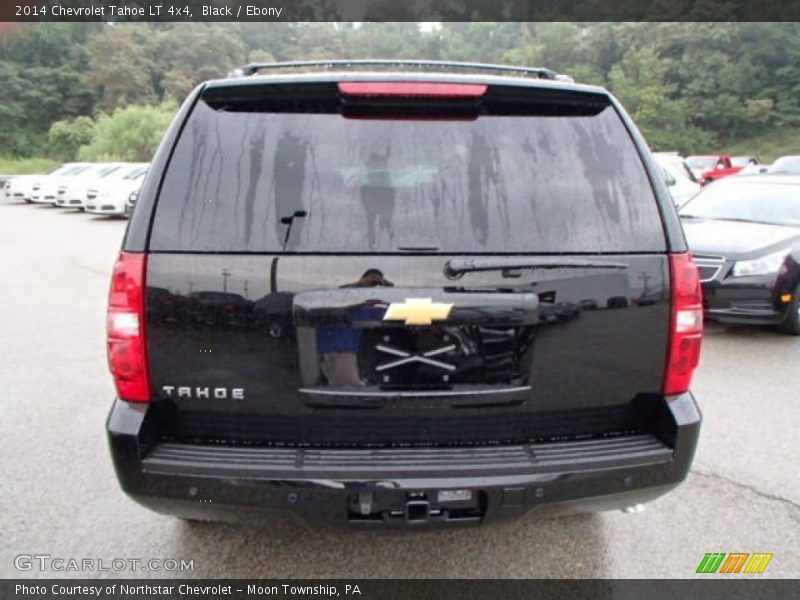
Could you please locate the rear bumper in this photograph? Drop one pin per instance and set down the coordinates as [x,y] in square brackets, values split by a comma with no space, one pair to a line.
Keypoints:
[406,487]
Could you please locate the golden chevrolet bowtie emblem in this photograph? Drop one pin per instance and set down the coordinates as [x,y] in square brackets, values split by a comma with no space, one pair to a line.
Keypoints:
[417,311]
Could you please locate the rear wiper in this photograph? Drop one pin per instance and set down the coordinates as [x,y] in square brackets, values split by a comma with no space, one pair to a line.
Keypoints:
[458,266]
[289,221]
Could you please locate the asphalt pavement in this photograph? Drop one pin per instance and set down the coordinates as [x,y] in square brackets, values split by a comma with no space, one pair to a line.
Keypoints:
[59,496]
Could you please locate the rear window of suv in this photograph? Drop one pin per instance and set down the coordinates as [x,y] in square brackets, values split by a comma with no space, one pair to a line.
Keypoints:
[498,184]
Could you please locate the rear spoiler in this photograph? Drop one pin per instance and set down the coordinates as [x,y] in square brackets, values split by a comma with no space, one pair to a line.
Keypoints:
[336,97]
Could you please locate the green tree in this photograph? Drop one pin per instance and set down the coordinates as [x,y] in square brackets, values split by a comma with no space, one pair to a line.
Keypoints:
[382,40]
[31,99]
[638,82]
[688,84]
[260,56]
[48,44]
[130,134]
[14,134]
[41,75]
[119,68]
[278,39]
[319,42]
[189,53]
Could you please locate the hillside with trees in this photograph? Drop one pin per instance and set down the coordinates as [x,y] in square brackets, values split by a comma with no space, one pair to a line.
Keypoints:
[99,91]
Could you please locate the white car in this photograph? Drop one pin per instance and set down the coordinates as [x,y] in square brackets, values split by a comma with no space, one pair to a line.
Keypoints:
[111,197]
[20,187]
[7,188]
[678,176]
[754,169]
[74,195]
[788,165]
[45,188]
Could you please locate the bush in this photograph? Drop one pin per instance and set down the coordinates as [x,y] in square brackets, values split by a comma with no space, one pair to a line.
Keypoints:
[130,134]
[67,136]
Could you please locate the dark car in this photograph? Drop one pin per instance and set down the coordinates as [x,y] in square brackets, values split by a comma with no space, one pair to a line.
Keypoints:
[469,298]
[744,233]
[215,308]
[130,202]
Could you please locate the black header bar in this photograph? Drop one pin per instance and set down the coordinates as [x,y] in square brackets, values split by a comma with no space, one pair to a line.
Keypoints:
[714,587]
[399,10]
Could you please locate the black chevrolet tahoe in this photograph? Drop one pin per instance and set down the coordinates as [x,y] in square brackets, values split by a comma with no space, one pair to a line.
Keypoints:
[402,294]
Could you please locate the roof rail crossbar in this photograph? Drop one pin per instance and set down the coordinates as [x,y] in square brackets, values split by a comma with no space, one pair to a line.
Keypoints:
[434,65]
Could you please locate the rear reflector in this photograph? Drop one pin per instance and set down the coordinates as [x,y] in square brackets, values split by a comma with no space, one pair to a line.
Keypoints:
[419,89]
[686,324]
[127,358]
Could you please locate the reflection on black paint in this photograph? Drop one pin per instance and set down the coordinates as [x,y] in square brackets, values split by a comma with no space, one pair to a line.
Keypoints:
[255,161]
[200,309]
[479,172]
[338,345]
[273,313]
[378,197]
[290,176]
[584,328]
[220,309]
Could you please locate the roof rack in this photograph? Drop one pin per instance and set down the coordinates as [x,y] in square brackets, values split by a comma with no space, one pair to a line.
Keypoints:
[433,65]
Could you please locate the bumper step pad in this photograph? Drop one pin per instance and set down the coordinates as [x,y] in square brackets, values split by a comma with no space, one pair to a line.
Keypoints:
[268,462]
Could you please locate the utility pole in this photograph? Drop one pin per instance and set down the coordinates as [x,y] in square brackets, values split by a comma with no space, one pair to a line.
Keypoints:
[225,274]
[645,277]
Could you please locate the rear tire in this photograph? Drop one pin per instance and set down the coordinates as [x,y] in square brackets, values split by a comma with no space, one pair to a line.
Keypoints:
[791,324]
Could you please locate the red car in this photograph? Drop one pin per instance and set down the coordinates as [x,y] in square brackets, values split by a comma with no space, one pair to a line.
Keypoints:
[710,167]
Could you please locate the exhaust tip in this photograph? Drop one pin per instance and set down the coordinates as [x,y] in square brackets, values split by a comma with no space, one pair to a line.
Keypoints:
[633,509]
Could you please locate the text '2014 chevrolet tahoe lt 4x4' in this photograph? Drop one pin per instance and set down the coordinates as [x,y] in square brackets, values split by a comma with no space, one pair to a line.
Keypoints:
[402,294]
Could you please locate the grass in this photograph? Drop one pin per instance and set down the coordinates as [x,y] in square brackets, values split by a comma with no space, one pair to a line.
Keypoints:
[26,166]
[769,145]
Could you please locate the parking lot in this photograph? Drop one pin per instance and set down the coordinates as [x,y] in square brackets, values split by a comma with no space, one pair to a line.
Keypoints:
[60,497]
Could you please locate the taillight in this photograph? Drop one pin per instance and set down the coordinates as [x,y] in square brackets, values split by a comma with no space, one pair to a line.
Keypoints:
[686,324]
[127,358]
[420,89]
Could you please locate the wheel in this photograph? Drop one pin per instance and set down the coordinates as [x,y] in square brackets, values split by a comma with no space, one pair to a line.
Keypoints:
[792,322]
